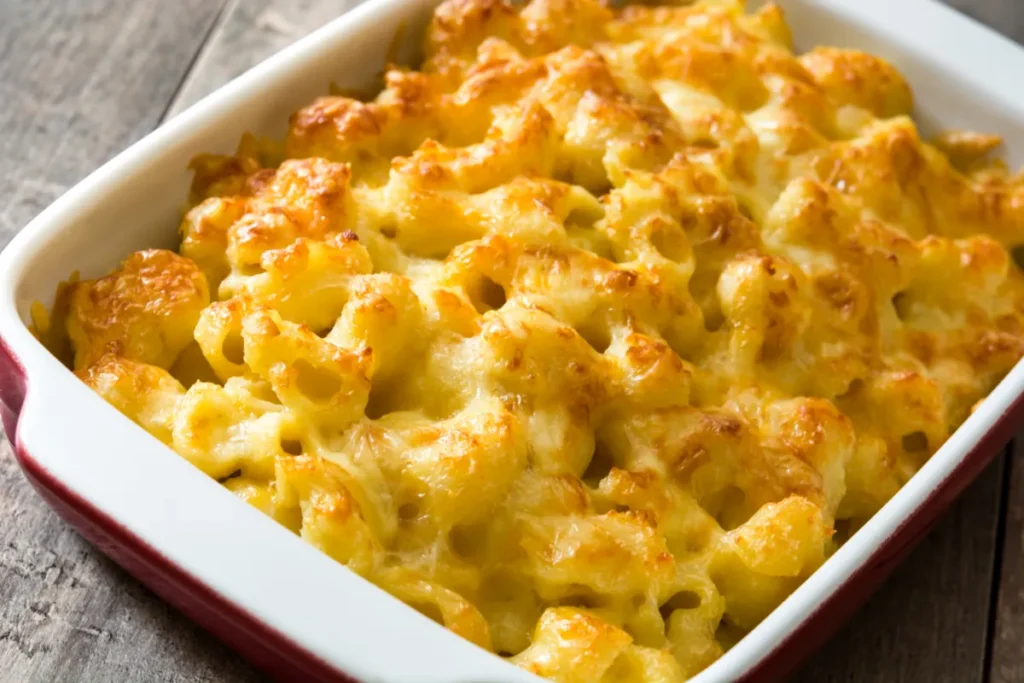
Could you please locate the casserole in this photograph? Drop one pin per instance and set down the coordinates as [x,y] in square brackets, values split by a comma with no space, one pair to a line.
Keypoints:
[120,471]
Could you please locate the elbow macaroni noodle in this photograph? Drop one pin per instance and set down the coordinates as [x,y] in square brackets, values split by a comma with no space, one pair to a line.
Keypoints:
[590,340]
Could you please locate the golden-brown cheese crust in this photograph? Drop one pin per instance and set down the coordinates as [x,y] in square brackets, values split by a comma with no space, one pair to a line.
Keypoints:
[145,393]
[584,338]
[144,312]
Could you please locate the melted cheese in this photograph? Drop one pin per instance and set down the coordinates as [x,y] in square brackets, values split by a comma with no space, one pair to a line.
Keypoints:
[583,338]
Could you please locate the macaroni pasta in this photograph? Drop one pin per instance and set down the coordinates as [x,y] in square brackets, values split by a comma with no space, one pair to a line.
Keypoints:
[592,338]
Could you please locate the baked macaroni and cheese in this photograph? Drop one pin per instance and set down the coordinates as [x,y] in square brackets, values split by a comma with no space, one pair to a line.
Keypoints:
[592,338]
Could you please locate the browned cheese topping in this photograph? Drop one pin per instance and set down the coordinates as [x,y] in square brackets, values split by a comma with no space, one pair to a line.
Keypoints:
[586,338]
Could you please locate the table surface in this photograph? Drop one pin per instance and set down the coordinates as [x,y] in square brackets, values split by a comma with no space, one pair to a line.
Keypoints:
[80,81]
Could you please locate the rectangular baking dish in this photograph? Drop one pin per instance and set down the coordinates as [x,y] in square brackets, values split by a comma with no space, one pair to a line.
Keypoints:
[290,609]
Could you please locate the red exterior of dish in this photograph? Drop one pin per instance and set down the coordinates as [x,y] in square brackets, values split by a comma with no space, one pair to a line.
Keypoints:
[255,640]
[834,611]
[287,661]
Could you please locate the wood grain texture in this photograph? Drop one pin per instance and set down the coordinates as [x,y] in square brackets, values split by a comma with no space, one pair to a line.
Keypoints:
[929,622]
[1005,16]
[78,82]
[1007,656]
[251,31]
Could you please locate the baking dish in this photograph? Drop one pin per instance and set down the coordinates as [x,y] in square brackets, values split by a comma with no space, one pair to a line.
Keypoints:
[215,558]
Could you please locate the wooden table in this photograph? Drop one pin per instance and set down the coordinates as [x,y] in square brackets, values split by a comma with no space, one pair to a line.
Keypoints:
[81,80]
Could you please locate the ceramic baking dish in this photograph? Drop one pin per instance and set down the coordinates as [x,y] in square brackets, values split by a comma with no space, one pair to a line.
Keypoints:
[290,609]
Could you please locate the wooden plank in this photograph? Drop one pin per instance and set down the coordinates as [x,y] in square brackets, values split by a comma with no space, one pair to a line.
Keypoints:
[1007,657]
[79,81]
[253,30]
[1005,16]
[929,622]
